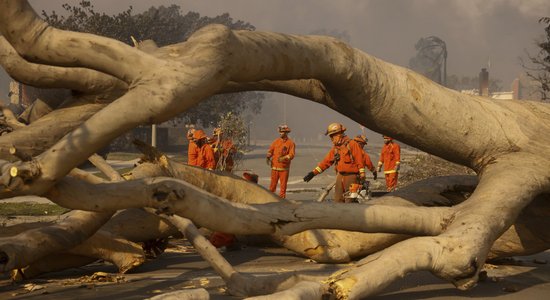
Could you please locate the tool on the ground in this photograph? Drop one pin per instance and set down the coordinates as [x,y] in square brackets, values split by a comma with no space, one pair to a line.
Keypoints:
[326,192]
[359,193]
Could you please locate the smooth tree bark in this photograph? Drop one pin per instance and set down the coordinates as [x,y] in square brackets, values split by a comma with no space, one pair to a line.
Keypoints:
[447,226]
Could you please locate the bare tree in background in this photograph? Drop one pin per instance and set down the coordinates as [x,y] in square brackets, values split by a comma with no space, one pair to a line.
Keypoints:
[449,226]
[431,59]
[538,66]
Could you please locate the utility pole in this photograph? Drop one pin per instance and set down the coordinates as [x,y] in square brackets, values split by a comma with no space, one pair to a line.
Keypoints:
[284,110]
[249,123]
[154,135]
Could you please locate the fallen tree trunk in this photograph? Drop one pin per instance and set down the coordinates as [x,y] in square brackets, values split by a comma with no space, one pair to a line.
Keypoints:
[124,254]
[342,246]
[504,142]
[77,226]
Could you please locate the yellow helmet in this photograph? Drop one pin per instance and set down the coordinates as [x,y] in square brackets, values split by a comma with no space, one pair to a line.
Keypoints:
[335,128]
[361,139]
[284,128]
[190,133]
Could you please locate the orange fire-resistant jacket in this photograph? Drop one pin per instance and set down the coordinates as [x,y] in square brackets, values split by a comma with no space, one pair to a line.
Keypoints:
[285,149]
[390,157]
[206,157]
[192,154]
[351,158]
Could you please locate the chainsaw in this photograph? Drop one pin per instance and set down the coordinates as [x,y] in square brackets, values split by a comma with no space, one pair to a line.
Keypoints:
[358,193]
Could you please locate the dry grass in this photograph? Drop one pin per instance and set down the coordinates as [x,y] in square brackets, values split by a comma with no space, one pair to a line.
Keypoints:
[422,166]
[30,209]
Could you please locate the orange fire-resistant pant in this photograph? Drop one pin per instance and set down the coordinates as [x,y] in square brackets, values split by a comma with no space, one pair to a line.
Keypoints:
[342,185]
[282,177]
[220,239]
[391,181]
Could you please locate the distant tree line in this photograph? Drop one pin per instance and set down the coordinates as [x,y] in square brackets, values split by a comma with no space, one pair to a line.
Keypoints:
[165,26]
[430,60]
[538,65]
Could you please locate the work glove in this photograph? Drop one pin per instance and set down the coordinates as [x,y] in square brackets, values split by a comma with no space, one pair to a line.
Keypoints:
[362,177]
[397,167]
[309,176]
[268,161]
[374,175]
[379,169]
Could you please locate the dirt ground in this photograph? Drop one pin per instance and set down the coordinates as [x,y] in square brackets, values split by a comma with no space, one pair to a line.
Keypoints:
[180,267]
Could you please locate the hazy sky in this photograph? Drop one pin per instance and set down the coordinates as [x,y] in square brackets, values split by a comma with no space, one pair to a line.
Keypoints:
[475,31]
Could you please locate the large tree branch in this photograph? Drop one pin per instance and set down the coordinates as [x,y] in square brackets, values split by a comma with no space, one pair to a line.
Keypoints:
[504,141]
[528,235]
[7,118]
[321,245]
[124,254]
[458,253]
[364,278]
[175,196]
[45,76]
[31,36]
[21,250]
[243,284]
[311,89]
[105,168]
[370,91]
[46,131]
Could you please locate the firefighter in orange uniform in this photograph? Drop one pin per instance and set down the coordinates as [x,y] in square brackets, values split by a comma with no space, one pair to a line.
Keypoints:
[347,157]
[224,149]
[279,155]
[192,150]
[206,153]
[362,141]
[390,158]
